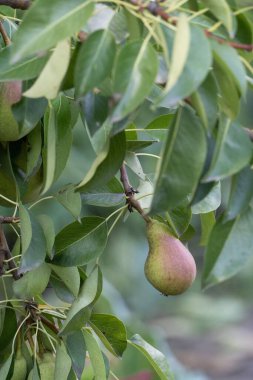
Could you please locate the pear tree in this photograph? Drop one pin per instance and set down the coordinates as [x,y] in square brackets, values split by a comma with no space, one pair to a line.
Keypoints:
[88,91]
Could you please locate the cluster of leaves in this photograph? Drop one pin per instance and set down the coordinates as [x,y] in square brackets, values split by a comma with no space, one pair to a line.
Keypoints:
[135,73]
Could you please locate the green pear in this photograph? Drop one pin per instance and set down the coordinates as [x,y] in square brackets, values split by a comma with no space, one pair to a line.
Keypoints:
[20,367]
[10,93]
[169,267]
[46,367]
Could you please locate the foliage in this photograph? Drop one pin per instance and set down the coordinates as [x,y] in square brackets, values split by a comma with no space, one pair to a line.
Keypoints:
[135,73]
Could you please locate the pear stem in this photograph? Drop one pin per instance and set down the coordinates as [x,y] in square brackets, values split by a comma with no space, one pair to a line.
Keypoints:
[130,194]
[5,36]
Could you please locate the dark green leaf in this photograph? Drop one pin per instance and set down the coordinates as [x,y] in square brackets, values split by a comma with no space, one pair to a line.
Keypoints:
[35,255]
[240,194]
[182,162]
[111,331]
[79,312]
[106,164]
[7,179]
[47,225]
[233,151]
[95,60]
[157,360]
[205,101]
[229,248]
[79,243]
[9,327]
[77,351]
[136,59]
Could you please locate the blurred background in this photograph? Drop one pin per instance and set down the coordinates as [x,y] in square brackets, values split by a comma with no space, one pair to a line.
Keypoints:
[205,334]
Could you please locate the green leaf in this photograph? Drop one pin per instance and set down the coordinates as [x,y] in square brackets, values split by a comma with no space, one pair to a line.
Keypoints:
[207,222]
[106,164]
[23,70]
[9,327]
[210,203]
[157,360]
[32,283]
[79,243]
[96,357]
[47,225]
[57,140]
[35,255]
[229,248]
[70,199]
[111,331]
[6,368]
[95,60]
[53,21]
[33,155]
[240,194]
[205,101]
[79,312]
[229,59]
[181,163]
[179,218]
[180,51]
[49,81]
[137,59]
[195,70]
[69,276]
[229,99]
[222,12]
[25,227]
[233,151]
[62,363]
[107,195]
[8,187]
[76,348]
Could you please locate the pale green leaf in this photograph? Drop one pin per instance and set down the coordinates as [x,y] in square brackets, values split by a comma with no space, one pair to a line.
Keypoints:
[49,81]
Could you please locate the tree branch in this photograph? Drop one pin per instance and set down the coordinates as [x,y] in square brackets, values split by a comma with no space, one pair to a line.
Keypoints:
[16,4]
[130,194]
[8,256]
[157,10]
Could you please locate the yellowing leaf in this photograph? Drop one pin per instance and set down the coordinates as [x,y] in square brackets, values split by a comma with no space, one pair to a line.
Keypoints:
[49,81]
[180,51]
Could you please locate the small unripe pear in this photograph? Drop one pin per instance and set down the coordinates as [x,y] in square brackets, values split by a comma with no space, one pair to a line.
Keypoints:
[46,366]
[20,367]
[169,267]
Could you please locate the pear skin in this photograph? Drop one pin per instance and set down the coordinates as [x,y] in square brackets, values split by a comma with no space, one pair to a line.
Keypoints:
[169,267]
[10,94]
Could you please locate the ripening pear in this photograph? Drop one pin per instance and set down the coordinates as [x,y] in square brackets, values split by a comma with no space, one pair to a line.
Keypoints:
[169,267]
[20,367]
[10,93]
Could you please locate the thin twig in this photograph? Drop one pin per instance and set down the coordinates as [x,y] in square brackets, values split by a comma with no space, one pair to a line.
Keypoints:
[5,36]
[4,246]
[49,324]
[16,4]
[158,10]
[130,194]
[9,219]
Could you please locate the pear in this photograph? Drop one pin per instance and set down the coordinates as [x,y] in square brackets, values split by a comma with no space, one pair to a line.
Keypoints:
[10,93]
[169,267]
[46,367]
[20,366]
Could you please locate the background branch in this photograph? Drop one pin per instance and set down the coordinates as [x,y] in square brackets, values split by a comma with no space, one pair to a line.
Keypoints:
[16,4]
